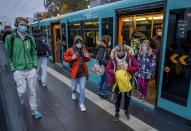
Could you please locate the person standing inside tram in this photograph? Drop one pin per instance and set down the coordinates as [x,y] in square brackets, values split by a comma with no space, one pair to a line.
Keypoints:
[22,55]
[103,56]
[147,63]
[156,45]
[135,43]
[77,56]
[121,66]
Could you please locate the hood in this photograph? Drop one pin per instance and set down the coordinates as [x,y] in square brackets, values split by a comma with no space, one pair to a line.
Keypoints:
[100,43]
[128,48]
[77,38]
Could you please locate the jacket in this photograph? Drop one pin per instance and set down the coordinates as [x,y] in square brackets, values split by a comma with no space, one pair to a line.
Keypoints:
[112,64]
[74,64]
[22,54]
[147,64]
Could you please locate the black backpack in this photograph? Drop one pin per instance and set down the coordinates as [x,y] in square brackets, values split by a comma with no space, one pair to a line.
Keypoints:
[41,48]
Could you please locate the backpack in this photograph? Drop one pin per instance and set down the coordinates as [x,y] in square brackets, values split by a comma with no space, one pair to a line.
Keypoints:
[123,78]
[41,48]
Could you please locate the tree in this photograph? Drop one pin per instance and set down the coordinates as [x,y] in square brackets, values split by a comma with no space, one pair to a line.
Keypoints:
[66,6]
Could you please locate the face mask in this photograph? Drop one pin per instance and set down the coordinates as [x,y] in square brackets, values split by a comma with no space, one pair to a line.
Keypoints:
[159,34]
[22,28]
[144,49]
[79,45]
[109,43]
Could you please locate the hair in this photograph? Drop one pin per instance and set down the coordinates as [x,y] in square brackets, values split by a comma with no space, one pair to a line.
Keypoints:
[147,42]
[159,28]
[18,19]
[106,39]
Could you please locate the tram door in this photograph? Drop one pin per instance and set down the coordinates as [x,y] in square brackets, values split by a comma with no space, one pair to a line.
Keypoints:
[57,44]
[175,78]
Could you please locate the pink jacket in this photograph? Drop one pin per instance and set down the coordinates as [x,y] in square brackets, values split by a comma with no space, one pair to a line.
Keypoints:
[112,64]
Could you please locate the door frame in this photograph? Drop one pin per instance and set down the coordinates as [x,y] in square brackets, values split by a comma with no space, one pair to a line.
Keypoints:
[163,103]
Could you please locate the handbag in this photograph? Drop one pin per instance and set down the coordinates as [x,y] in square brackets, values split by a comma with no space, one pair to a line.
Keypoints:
[98,69]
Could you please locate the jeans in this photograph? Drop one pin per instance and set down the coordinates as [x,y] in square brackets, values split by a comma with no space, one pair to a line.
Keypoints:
[103,84]
[82,82]
[26,79]
[42,69]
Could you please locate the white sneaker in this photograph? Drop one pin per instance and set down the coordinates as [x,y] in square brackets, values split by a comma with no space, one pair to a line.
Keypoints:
[73,96]
[82,107]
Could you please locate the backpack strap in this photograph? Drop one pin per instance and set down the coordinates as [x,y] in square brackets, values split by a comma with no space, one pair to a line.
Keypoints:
[12,42]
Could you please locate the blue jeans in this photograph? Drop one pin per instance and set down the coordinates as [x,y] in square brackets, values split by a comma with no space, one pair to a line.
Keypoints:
[42,69]
[103,84]
[82,82]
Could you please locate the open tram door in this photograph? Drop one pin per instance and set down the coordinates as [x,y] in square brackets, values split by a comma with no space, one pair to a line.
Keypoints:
[56,41]
[175,78]
[142,20]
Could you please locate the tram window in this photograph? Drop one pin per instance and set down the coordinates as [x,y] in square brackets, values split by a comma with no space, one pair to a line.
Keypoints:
[107,26]
[177,73]
[91,24]
[90,35]
[73,30]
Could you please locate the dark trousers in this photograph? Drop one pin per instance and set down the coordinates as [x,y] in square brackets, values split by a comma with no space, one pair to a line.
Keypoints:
[127,99]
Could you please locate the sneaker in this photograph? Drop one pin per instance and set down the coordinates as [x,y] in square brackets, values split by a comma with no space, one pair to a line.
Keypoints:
[73,96]
[44,84]
[36,114]
[116,117]
[82,107]
[127,114]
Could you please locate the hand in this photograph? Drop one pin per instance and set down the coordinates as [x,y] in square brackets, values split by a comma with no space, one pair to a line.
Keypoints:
[86,55]
[74,57]
[125,66]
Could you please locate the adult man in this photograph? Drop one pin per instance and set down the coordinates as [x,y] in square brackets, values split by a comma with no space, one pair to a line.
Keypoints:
[8,30]
[21,50]
[43,51]
[156,46]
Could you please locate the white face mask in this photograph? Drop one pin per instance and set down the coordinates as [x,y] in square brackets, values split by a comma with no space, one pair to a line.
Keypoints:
[159,33]
[109,43]
[144,48]
[79,45]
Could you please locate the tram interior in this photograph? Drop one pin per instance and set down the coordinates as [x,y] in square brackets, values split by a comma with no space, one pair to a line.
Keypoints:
[57,44]
[147,24]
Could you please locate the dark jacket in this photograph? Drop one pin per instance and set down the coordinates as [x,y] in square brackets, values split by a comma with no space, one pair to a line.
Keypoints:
[43,50]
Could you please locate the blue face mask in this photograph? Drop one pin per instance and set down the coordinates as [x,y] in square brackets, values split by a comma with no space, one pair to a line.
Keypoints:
[79,45]
[22,28]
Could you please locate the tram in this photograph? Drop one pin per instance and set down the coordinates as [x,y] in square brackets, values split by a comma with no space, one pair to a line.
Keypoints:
[172,92]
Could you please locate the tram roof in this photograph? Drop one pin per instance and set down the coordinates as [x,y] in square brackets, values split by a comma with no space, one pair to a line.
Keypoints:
[102,11]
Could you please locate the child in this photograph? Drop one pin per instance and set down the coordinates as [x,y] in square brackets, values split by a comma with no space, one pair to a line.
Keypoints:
[147,62]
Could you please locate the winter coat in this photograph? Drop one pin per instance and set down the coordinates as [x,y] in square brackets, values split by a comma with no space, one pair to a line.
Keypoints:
[112,64]
[147,64]
[21,53]
[74,64]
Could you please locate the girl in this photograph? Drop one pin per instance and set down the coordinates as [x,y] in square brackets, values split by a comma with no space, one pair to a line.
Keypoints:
[147,62]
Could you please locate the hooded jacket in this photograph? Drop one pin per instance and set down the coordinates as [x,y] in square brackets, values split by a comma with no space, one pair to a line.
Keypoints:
[112,64]
[74,64]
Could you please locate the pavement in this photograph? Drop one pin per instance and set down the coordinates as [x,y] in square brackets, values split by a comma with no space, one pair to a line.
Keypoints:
[61,113]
